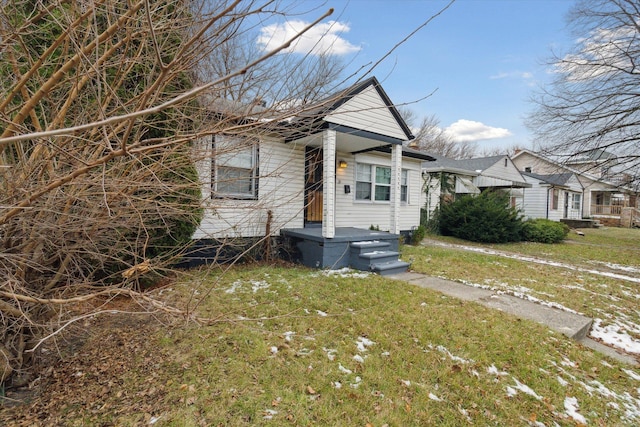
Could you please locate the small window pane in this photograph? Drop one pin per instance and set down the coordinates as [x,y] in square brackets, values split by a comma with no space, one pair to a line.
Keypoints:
[363,191]
[383,193]
[363,172]
[383,176]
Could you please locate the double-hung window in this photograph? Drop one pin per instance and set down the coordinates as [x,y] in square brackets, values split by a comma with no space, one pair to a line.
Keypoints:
[404,186]
[383,183]
[363,182]
[576,202]
[234,167]
[374,183]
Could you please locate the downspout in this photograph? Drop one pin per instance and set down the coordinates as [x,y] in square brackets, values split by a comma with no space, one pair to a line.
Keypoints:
[546,214]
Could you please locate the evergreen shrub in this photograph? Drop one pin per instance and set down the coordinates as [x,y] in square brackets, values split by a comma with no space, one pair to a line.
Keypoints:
[486,218]
[542,230]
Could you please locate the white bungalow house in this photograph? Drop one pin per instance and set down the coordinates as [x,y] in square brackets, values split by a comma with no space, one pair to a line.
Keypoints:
[608,202]
[333,184]
[554,197]
[450,178]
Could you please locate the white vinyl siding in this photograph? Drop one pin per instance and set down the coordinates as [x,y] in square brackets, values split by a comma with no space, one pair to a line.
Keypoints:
[367,110]
[281,172]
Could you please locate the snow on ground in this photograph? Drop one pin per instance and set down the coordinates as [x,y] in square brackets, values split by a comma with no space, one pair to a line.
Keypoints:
[620,331]
[615,334]
[571,408]
[345,272]
[535,260]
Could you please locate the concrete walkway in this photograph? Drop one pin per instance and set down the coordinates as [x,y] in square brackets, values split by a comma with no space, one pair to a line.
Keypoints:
[572,325]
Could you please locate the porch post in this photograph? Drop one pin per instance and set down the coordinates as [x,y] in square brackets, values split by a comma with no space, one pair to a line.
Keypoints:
[329,184]
[396,171]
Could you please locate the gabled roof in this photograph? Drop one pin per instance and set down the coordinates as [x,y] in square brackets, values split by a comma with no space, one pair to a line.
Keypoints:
[557,179]
[595,155]
[560,166]
[317,116]
[473,166]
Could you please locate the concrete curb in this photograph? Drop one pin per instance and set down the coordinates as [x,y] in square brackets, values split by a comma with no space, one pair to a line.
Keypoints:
[574,326]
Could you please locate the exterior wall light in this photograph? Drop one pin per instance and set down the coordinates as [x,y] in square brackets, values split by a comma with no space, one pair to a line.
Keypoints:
[342,164]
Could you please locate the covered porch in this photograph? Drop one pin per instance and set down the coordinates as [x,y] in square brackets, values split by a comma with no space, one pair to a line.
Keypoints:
[367,250]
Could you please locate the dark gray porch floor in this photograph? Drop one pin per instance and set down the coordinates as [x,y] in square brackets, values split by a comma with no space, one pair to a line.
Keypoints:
[343,234]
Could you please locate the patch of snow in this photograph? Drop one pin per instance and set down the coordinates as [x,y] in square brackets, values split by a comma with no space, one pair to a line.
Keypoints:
[321,313]
[362,343]
[337,384]
[539,261]
[405,383]
[385,354]
[358,358]
[269,413]
[434,397]
[613,266]
[346,272]
[614,335]
[562,381]
[257,285]
[356,383]
[153,420]
[331,353]
[273,350]
[567,362]
[495,371]
[571,408]
[288,335]
[631,374]
[234,287]
[512,391]
[444,350]
[344,370]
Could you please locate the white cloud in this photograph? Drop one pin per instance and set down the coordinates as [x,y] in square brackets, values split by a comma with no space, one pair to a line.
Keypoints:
[525,75]
[469,131]
[325,38]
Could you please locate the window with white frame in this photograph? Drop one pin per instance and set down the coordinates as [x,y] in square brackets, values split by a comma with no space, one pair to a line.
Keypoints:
[374,183]
[555,199]
[383,183]
[234,167]
[404,186]
[363,182]
[575,202]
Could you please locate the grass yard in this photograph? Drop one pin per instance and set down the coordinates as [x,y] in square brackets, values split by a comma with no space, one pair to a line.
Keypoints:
[293,346]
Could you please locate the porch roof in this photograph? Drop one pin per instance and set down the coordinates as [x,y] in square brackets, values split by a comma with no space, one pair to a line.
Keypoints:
[363,117]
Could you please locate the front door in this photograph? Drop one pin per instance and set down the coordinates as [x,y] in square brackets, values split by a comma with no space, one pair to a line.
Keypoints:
[313,185]
[566,204]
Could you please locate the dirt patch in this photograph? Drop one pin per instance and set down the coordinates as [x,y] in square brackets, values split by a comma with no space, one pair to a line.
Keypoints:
[83,374]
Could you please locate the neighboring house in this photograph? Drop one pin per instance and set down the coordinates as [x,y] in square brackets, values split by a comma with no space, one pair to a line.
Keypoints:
[324,182]
[554,197]
[447,178]
[603,200]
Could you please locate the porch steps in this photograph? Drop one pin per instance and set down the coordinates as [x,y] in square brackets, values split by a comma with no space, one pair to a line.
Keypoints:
[375,256]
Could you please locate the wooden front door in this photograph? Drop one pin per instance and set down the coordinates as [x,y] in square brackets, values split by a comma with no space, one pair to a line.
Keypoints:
[313,185]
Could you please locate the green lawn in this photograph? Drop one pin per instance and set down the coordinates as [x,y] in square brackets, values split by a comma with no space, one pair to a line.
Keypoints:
[293,346]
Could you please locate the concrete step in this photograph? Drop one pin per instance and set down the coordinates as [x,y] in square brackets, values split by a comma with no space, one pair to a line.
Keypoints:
[389,268]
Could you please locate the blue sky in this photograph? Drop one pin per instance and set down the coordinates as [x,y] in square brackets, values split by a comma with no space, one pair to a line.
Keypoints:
[482,58]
